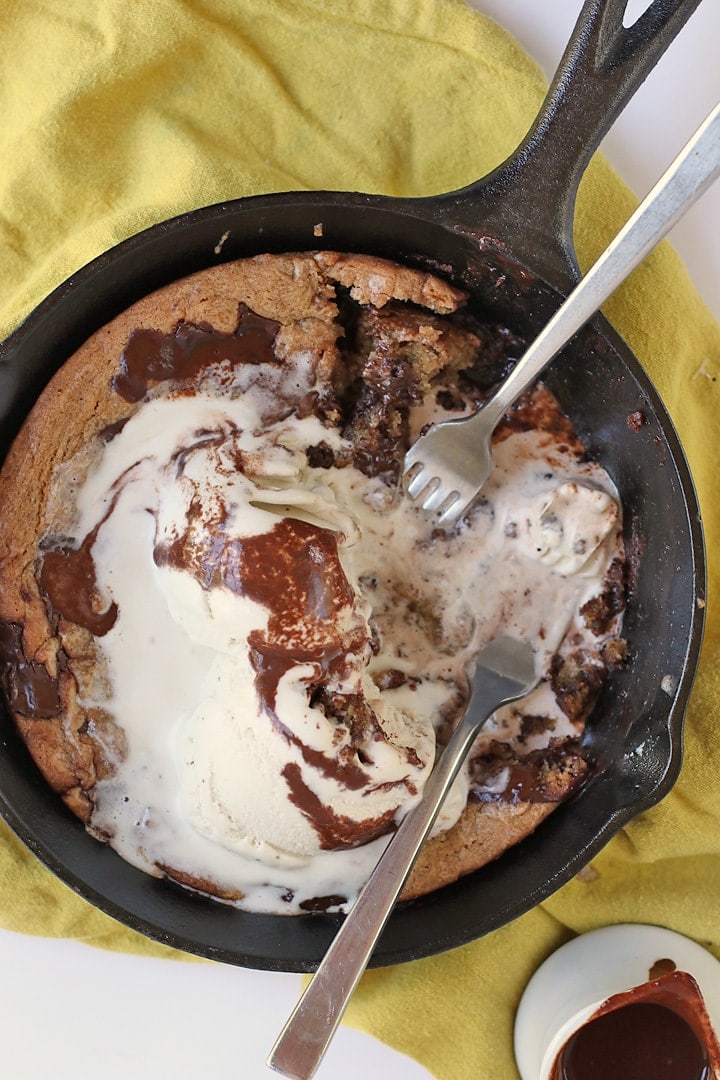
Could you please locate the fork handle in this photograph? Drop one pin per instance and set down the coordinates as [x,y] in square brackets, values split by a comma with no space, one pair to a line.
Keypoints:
[306,1036]
[691,173]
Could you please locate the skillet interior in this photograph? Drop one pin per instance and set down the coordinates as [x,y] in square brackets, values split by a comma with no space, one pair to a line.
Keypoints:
[598,382]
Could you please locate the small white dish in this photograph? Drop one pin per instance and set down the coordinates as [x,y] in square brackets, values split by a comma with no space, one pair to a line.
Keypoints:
[578,977]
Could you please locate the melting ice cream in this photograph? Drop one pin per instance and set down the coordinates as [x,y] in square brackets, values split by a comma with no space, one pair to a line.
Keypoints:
[287,641]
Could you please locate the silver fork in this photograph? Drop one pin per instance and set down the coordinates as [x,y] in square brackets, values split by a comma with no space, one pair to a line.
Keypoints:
[447,467]
[505,671]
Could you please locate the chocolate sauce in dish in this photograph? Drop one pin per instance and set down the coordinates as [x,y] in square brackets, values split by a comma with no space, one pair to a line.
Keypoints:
[658,1031]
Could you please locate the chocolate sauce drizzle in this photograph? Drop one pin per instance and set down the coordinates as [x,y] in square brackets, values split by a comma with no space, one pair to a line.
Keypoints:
[335,831]
[67,577]
[151,356]
[294,572]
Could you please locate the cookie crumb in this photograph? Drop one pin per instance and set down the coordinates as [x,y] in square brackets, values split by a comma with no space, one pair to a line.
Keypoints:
[668,684]
[221,242]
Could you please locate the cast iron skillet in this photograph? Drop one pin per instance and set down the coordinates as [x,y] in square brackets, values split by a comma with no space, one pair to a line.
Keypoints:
[508,238]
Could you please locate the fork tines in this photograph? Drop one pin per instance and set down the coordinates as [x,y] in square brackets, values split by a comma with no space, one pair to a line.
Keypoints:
[432,495]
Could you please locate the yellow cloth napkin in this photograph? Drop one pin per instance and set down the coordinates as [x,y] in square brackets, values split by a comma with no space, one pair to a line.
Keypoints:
[117,115]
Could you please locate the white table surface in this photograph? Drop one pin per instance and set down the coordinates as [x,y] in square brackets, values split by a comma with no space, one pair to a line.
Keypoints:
[67,1010]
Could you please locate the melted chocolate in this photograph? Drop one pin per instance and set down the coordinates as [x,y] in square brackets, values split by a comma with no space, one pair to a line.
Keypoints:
[391,679]
[270,665]
[321,903]
[28,686]
[659,1030]
[108,433]
[151,356]
[531,778]
[294,572]
[335,831]
[537,408]
[67,577]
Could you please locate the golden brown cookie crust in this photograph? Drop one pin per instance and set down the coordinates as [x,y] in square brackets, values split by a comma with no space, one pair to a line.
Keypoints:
[483,832]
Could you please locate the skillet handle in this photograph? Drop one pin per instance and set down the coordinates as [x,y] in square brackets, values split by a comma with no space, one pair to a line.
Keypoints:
[528,202]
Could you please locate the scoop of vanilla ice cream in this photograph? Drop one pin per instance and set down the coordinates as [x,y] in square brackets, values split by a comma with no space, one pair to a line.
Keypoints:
[565,528]
[238,769]
[283,745]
